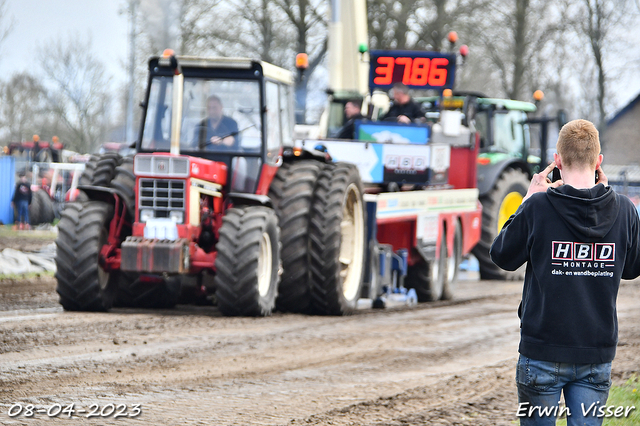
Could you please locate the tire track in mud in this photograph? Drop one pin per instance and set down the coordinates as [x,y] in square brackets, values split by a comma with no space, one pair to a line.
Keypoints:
[448,363]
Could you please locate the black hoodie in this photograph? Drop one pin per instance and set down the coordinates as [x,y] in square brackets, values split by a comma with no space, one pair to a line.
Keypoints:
[578,244]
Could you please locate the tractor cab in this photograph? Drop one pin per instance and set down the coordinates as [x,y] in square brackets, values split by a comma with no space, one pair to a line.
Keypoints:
[501,123]
[234,111]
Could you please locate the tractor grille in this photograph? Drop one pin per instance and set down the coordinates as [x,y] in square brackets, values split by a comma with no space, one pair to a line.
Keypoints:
[162,195]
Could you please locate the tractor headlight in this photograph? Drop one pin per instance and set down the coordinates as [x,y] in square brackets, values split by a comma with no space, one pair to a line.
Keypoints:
[146,214]
[177,216]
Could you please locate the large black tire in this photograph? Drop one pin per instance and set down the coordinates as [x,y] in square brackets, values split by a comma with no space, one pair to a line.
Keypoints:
[41,209]
[136,293]
[124,183]
[248,262]
[429,279]
[100,169]
[502,200]
[82,284]
[338,240]
[292,192]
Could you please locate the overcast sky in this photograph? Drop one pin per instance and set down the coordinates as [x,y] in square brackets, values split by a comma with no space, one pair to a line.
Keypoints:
[37,21]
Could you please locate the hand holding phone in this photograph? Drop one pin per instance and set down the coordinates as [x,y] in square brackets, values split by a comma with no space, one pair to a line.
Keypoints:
[601,177]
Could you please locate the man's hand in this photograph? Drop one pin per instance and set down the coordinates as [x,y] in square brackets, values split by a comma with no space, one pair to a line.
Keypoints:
[540,182]
[404,119]
[602,178]
[217,140]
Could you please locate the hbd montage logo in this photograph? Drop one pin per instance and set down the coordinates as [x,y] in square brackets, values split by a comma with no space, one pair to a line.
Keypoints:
[569,254]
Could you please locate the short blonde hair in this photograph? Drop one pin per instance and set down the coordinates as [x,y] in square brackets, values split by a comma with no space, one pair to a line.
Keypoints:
[579,144]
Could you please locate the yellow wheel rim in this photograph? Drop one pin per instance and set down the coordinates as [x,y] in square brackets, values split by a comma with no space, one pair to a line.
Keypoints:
[509,205]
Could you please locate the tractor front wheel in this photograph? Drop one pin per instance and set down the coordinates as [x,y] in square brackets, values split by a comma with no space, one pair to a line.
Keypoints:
[83,285]
[248,262]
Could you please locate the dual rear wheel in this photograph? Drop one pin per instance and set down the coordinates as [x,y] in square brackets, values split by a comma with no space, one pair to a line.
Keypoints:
[323,228]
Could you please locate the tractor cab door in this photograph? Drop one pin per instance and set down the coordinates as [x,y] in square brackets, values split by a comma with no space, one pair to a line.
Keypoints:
[503,132]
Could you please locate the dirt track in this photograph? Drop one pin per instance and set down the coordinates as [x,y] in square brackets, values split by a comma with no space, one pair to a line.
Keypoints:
[447,363]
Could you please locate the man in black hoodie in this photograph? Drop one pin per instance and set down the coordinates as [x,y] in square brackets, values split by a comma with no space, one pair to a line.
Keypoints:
[578,238]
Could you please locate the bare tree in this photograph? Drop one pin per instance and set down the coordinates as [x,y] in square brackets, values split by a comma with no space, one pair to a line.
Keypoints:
[22,107]
[6,21]
[392,23]
[510,32]
[436,18]
[78,90]
[260,30]
[597,22]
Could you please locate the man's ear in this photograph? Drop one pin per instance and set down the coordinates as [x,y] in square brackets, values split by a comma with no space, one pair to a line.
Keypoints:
[600,158]
[558,161]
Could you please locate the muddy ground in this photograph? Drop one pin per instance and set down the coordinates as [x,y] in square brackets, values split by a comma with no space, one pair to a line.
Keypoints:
[447,363]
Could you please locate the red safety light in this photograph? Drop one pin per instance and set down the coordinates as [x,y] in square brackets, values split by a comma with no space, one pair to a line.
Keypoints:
[464,50]
[484,161]
[168,53]
[302,61]
[452,36]
[538,95]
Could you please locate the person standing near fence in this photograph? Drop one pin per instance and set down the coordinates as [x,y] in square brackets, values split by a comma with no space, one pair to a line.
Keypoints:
[21,201]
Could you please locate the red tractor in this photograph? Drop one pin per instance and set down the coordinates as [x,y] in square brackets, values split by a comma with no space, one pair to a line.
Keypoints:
[216,195]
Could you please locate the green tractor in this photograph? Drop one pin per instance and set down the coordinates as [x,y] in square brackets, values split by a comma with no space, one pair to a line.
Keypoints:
[505,165]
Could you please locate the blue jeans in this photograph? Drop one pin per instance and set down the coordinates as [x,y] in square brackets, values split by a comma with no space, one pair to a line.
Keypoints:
[23,211]
[585,387]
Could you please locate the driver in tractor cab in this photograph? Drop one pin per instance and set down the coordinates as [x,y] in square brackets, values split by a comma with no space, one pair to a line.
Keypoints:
[217,130]
[403,109]
[353,112]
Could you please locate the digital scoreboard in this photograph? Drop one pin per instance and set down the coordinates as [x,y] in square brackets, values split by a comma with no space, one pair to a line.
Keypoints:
[415,69]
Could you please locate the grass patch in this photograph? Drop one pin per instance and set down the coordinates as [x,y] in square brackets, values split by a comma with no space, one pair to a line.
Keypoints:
[26,276]
[626,395]
[7,231]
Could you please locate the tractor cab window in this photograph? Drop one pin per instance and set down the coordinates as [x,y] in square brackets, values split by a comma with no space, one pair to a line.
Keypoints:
[157,126]
[336,117]
[481,121]
[508,133]
[274,133]
[217,115]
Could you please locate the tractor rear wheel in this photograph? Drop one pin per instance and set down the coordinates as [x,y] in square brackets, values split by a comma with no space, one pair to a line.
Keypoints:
[248,261]
[337,232]
[292,195]
[497,206]
[429,279]
[83,285]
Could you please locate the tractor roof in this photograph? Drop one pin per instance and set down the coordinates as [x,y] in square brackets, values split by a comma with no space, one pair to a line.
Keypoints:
[268,70]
